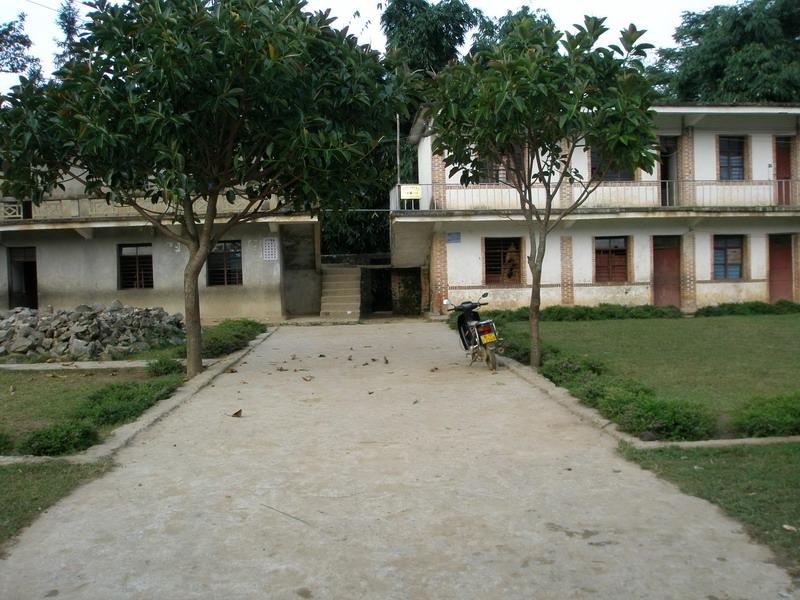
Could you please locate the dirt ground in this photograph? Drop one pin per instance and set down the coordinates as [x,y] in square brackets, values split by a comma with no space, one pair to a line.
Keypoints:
[371,461]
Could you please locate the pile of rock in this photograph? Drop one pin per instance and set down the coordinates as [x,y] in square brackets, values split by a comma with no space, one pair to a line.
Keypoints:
[88,332]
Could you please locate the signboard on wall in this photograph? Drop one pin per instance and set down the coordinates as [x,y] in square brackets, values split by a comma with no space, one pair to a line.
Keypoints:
[271,249]
[454,237]
[410,192]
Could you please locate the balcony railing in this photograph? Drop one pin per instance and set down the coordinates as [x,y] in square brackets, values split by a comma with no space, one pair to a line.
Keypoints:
[87,209]
[629,195]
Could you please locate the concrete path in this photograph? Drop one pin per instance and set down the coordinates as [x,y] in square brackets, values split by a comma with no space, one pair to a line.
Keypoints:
[87,364]
[347,479]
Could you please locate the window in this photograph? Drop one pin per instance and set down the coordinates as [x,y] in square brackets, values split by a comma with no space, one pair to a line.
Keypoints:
[489,172]
[731,158]
[224,265]
[728,256]
[613,174]
[503,265]
[611,259]
[135,266]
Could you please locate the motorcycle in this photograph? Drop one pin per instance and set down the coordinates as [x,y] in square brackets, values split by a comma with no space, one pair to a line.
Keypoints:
[479,338]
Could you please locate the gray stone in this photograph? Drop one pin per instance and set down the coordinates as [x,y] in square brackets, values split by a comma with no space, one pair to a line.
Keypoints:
[82,308]
[80,348]
[115,306]
[20,345]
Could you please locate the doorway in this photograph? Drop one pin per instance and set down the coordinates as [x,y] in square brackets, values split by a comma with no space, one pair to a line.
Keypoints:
[780,267]
[668,156]
[667,270]
[783,171]
[22,283]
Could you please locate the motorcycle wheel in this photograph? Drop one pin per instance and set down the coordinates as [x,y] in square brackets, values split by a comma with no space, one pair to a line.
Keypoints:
[491,358]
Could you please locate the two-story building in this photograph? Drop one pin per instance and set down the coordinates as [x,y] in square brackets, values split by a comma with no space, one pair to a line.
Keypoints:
[718,220]
[71,249]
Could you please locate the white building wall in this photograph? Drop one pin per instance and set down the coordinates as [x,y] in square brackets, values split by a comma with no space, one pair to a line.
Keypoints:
[705,155]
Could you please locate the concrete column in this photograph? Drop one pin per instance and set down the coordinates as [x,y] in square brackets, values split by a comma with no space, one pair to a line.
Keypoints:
[567,280]
[688,275]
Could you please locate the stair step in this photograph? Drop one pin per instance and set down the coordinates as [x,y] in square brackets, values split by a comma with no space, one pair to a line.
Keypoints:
[328,297]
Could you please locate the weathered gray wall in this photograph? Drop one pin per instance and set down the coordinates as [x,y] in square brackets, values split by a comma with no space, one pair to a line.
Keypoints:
[73,270]
[302,283]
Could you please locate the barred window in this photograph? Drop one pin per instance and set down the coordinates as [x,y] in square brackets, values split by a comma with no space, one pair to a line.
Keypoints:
[135,265]
[224,266]
[598,161]
[610,259]
[731,158]
[728,256]
[503,263]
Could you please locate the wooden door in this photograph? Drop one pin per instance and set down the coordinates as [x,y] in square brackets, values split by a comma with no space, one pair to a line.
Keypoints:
[780,267]
[667,270]
[22,281]
[783,170]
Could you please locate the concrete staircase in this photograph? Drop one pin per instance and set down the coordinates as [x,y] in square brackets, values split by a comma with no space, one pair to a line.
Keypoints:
[341,293]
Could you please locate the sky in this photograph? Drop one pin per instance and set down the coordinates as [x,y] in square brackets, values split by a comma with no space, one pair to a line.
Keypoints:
[658,18]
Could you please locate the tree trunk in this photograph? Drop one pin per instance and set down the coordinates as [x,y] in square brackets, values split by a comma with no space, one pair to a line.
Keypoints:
[536,302]
[191,294]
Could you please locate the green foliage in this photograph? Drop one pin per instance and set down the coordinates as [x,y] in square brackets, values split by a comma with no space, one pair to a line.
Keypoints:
[123,402]
[6,443]
[63,437]
[164,366]
[425,36]
[14,46]
[230,336]
[609,311]
[348,232]
[633,406]
[779,415]
[67,19]
[781,307]
[746,52]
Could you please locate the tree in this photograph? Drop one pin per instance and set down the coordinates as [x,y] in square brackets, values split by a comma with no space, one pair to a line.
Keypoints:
[533,100]
[425,36]
[172,107]
[67,19]
[746,52]
[14,46]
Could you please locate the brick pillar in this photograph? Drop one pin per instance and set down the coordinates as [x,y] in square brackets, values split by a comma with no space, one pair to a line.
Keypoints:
[567,281]
[688,274]
[438,180]
[796,265]
[795,171]
[686,167]
[425,289]
[438,273]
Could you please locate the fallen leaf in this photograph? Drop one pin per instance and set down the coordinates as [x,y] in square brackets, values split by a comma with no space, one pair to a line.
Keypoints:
[434,369]
[366,364]
[232,370]
[385,360]
[415,402]
[282,369]
[350,357]
[294,356]
[322,356]
[243,382]
[238,413]
[790,528]
[370,393]
[307,377]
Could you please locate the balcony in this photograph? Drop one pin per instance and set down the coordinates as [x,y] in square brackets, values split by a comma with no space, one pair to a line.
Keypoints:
[624,196]
[86,210]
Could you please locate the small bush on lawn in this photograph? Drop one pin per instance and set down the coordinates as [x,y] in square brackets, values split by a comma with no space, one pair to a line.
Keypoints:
[164,366]
[630,404]
[6,445]
[762,417]
[604,312]
[230,336]
[781,307]
[60,438]
[121,402]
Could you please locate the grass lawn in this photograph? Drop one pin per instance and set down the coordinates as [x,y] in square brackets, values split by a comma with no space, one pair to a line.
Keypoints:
[41,398]
[721,362]
[27,490]
[757,485]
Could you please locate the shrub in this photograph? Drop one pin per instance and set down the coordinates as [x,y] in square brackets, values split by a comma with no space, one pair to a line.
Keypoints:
[6,445]
[122,402]
[60,438]
[779,415]
[629,403]
[164,366]
[230,336]
[781,307]
[604,312]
